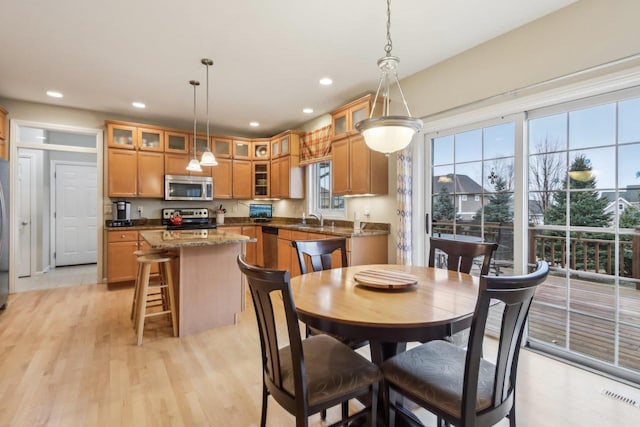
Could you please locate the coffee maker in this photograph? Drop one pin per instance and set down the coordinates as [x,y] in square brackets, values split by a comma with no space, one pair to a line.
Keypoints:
[121,212]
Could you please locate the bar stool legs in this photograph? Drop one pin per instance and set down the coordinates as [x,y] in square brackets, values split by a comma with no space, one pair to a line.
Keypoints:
[165,285]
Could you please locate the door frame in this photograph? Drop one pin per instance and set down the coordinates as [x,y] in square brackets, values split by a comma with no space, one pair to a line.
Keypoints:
[32,202]
[52,206]
[15,144]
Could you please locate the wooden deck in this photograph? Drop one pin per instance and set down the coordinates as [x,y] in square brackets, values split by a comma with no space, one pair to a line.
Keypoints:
[591,319]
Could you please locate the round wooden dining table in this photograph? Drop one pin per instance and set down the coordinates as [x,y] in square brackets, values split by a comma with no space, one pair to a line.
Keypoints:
[333,301]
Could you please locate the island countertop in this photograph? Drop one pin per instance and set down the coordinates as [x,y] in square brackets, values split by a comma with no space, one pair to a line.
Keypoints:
[189,238]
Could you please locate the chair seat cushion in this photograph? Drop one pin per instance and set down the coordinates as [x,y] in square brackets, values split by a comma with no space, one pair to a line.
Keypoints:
[332,369]
[353,343]
[434,372]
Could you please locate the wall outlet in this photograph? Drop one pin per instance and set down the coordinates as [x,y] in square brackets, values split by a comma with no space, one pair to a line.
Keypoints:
[139,210]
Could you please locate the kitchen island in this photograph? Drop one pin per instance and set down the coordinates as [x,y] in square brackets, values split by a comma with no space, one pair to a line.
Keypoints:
[208,285]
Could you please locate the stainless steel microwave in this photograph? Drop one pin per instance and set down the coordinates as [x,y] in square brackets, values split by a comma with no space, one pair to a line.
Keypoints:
[179,187]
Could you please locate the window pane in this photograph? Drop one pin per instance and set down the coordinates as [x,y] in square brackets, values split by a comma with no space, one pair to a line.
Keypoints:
[592,336]
[547,172]
[629,169]
[443,177]
[628,347]
[443,150]
[629,121]
[498,175]
[600,168]
[499,141]
[468,146]
[592,126]
[548,134]
[547,324]
[596,298]
[469,178]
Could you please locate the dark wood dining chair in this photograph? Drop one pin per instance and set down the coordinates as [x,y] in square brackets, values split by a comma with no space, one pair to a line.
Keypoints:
[319,255]
[307,376]
[459,386]
[460,256]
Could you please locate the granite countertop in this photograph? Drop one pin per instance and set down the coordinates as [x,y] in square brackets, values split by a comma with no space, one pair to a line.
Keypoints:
[182,238]
[341,229]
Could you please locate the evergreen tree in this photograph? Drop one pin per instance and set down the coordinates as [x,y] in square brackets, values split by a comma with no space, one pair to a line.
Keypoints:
[498,209]
[630,218]
[443,207]
[586,208]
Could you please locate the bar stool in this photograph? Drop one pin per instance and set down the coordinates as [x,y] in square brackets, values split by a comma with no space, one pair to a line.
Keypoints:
[136,288]
[164,284]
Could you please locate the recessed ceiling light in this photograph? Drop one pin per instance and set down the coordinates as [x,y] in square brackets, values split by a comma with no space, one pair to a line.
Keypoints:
[326,81]
[254,124]
[54,94]
[308,110]
[138,104]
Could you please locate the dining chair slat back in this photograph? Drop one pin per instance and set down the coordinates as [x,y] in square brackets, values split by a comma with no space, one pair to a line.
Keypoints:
[305,376]
[320,253]
[461,255]
[458,385]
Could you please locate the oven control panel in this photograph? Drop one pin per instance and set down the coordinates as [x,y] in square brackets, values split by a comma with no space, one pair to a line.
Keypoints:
[185,213]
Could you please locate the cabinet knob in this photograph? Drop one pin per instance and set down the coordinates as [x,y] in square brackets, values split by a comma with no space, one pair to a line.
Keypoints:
[123,236]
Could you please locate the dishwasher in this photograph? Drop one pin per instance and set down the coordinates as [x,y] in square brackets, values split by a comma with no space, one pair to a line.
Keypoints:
[270,246]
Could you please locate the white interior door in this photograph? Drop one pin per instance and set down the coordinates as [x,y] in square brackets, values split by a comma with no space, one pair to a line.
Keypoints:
[75,214]
[24,217]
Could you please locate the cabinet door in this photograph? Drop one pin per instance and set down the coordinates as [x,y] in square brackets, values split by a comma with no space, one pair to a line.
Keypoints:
[241,179]
[260,172]
[359,166]
[121,262]
[176,142]
[241,149]
[357,113]
[121,136]
[221,147]
[284,177]
[150,174]
[275,178]
[201,144]
[339,123]
[275,148]
[260,150]
[175,164]
[284,254]
[122,179]
[251,248]
[285,143]
[222,179]
[340,166]
[150,139]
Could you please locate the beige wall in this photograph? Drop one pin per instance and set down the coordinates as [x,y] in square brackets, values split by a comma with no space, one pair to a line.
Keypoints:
[580,36]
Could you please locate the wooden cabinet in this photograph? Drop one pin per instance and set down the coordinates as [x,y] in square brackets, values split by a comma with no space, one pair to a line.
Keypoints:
[286,182]
[221,147]
[251,249]
[176,142]
[286,143]
[361,250]
[260,186]
[260,149]
[150,174]
[4,135]
[356,169]
[242,175]
[241,149]
[344,119]
[128,136]
[223,179]
[122,180]
[121,262]
[201,144]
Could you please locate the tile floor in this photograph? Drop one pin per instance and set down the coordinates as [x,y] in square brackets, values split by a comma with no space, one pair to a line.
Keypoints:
[59,277]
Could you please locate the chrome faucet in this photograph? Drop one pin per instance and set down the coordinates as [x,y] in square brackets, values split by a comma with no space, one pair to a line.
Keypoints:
[318,217]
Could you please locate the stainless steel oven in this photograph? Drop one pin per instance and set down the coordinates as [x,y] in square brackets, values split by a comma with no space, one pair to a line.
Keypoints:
[180,187]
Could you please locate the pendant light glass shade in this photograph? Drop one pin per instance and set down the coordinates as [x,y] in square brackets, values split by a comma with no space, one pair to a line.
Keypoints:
[194,164]
[388,133]
[208,159]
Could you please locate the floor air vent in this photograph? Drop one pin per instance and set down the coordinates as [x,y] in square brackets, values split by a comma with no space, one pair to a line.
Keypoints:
[623,397]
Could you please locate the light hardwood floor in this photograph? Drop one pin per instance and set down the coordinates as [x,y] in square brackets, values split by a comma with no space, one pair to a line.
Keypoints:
[68,358]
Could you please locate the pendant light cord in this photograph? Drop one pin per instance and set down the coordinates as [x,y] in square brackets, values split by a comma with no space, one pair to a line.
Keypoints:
[389,44]
[194,83]
[207,65]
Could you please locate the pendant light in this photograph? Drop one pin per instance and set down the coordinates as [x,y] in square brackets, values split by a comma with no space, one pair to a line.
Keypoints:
[194,164]
[388,133]
[208,159]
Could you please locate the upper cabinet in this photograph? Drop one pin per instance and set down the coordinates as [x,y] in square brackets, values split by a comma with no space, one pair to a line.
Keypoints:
[176,142]
[286,143]
[131,137]
[4,135]
[201,144]
[242,148]
[221,147]
[344,119]
[260,149]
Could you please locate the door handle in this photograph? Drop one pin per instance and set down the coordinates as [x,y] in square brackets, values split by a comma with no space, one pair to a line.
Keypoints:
[24,223]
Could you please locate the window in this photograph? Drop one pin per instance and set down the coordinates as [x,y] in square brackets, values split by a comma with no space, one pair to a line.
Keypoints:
[321,200]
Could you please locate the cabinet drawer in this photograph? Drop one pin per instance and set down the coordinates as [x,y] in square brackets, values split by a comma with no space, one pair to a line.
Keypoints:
[122,236]
[299,235]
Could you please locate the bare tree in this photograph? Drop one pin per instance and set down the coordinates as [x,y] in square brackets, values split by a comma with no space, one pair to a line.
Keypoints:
[547,171]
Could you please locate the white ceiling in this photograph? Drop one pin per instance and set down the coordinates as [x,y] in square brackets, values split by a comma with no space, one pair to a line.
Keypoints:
[268,55]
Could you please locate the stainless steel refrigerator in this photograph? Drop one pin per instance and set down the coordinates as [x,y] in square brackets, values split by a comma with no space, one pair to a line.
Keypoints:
[4,233]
